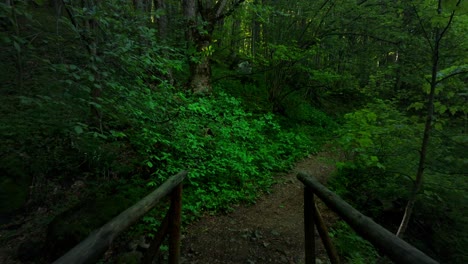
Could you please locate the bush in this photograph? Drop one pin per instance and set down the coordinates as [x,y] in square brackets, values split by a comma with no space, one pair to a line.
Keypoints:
[379,143]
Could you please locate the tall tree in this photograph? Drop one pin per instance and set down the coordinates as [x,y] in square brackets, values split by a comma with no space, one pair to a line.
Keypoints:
[202,17]
[434,38]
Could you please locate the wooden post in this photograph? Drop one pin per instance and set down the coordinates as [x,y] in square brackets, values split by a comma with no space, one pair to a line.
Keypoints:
[323,232]
[309,226]
[175,213]
[155,245]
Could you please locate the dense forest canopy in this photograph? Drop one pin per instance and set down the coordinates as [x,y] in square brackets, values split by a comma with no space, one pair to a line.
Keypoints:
[119,95]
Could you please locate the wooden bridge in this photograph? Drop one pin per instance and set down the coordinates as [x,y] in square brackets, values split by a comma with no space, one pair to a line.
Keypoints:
[95,245]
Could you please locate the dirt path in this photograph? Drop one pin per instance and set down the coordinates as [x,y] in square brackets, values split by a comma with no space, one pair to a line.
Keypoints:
[271,231]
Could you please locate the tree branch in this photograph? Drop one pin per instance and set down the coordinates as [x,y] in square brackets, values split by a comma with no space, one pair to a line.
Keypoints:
[230,11]
[426,36]
[449,22]
[220,5]
[451,75]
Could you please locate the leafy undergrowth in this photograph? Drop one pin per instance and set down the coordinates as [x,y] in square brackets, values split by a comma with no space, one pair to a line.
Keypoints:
[230,154]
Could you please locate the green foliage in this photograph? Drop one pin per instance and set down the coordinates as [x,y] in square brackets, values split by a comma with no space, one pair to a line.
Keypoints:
[300,111]
[379,143]
[49,124]
[229,152]
[371,137]
[381,146]
[350,245]
[112,117]
[96,94]
[440,210]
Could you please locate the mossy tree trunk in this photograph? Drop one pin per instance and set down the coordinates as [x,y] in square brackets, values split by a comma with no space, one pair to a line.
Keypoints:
[199,35]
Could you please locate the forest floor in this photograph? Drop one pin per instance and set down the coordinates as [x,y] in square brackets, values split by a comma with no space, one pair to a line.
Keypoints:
[271,231]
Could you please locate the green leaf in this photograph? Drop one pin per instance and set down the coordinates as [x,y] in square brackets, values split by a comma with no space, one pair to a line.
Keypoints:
[98,106]
[118,134]
[78,130]
[17,46]
[416,106]
[76,76]
[149,164]
[441,108]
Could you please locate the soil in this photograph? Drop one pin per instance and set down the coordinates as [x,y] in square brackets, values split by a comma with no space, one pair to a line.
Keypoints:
[271,231]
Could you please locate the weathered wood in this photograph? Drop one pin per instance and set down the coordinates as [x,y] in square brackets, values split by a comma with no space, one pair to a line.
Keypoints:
[323,232]
[92,248]
[155,245]
[309,226]
[396,249]
[175,217]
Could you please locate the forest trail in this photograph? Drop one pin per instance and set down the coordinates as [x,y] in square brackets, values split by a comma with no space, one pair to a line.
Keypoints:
[271,231]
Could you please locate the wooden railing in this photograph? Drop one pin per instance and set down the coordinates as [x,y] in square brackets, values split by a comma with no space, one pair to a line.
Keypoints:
[395,248]
[93,247]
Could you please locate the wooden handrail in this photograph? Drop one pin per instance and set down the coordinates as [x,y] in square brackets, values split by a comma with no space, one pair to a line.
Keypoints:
[91,249]
[395,248]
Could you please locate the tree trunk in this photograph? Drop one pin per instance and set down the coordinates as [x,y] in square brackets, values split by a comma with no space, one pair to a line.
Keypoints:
[201,39]
[162,20]
[200,68]
[162,23]
[138,5]
[200,71]
[439,34]
[96,92]
[190,10]
[255,34]
[200,77]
